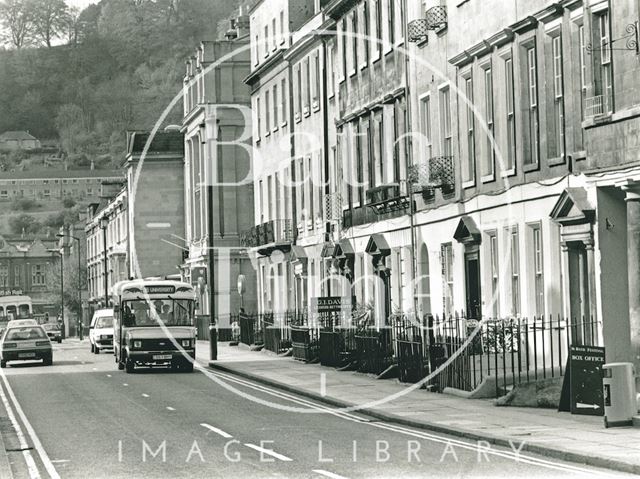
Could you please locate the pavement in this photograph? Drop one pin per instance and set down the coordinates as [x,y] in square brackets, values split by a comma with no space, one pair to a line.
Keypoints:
[84,418]
[581,439]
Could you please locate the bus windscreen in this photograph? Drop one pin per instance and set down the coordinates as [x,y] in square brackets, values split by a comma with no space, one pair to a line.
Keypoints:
[170,312]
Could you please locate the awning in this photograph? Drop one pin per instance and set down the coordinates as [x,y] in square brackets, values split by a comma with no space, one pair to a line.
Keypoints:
[297,254]
[329,250]
[467,232]
[377,245]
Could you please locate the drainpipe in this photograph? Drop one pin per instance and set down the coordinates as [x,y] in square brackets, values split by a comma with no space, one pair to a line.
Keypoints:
[409,163]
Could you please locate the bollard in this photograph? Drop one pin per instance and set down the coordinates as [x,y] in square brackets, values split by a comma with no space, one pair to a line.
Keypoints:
[213,342]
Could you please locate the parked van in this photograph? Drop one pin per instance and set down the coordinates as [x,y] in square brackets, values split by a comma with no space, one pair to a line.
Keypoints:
[101,330]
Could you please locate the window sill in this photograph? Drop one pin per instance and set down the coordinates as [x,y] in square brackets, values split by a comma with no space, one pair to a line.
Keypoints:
[508,173]
[423,42]
[275,129]
[283,124]
[531,167]
[306,112]
[556,161]
[363,66]
[376,57]
[388,51]
[468,184]
[488,178]
[353,72]
[579,155]
[267,134]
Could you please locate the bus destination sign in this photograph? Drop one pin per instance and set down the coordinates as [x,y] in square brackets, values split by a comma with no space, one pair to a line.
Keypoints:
[160,289]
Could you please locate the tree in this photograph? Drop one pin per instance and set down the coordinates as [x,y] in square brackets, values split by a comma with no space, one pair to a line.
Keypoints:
[49,19]
[24,224]
[15,17]
[24,204]
[73,280]
[71,126]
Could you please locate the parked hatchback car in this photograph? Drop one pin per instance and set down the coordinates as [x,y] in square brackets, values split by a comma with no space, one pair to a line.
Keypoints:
[101,330]
[25,343]
[53,331]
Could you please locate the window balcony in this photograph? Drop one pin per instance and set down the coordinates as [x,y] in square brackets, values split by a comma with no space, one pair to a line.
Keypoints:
[436,18]
[383,202]
[438,172]
[596,106]
[271,235]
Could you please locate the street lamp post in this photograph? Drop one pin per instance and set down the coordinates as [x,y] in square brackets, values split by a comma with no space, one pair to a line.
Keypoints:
[80,314]
[61,289]
[211,133]
[104,222]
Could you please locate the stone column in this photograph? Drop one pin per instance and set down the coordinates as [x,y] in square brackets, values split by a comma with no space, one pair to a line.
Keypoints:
[633,258]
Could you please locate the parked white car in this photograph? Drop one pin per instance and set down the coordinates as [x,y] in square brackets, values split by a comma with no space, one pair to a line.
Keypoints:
[101,330]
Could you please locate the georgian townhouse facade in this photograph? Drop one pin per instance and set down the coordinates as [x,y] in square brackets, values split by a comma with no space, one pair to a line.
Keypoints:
[490,171]
[142,217]
[114,210]
[290,128]
[369,73]
[535,107]
[217,134]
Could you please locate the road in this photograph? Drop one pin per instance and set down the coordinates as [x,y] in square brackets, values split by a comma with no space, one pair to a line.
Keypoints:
[83,418]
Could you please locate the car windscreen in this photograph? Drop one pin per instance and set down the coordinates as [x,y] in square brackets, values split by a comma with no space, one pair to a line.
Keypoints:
[26,333]
[104,322]
[50,327]
[170,312]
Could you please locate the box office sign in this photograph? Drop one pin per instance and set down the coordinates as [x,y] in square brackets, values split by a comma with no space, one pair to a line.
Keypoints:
[330,304]
[582,386]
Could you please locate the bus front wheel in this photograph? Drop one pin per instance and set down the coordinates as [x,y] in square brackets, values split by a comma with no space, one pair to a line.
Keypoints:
[129,365]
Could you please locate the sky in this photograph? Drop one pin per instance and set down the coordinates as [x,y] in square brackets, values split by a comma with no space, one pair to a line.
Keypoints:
[81,3]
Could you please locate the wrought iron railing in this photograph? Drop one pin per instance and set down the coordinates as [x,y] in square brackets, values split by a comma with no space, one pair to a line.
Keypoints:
[436,17]
[596,105]
[274,231]
[463,351]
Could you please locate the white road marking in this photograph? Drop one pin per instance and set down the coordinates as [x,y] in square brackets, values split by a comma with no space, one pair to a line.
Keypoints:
[44,457]
[170,408]
[269,452]
[521,457]
[220,432]
[323,384]
[60,460]
[125,384]
[108,375]
[95,369]
[28,458]
[322,472]
[145,395]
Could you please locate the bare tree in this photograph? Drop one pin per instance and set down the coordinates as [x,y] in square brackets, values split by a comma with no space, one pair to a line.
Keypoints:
[16,21]
[50,19]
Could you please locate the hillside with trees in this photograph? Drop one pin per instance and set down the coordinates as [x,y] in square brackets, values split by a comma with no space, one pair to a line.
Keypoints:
[84,77]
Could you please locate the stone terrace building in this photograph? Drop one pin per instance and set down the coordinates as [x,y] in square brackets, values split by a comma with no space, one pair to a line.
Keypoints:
[294,100]
[144,221]
[24,267]
[215,103]
[51,184]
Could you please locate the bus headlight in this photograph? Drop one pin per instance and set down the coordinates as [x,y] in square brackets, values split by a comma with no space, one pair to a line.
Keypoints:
[137,344]
[186,343]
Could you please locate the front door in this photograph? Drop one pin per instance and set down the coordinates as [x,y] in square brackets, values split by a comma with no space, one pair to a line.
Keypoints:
[472,284]
[579,300]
